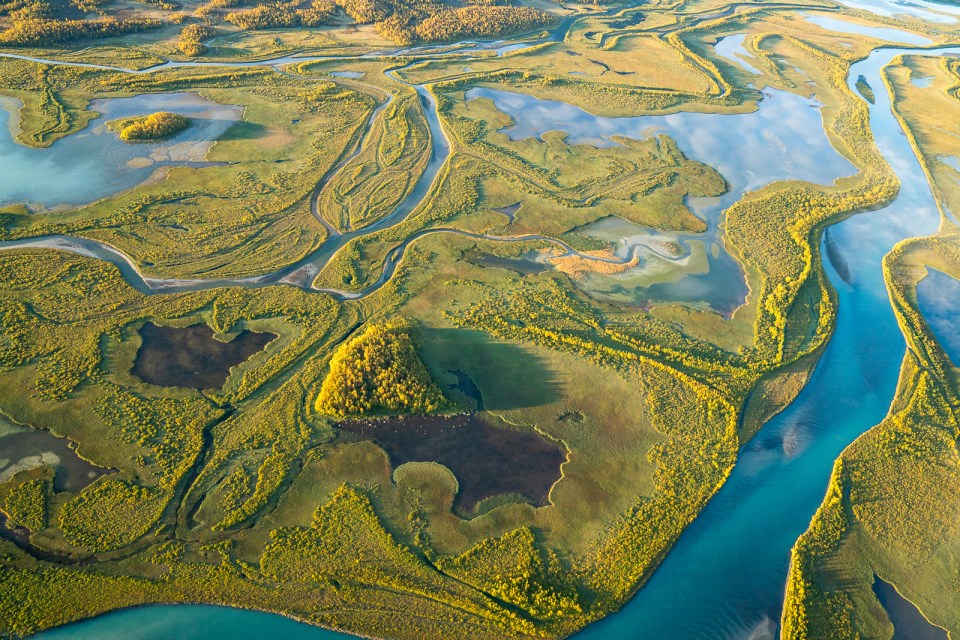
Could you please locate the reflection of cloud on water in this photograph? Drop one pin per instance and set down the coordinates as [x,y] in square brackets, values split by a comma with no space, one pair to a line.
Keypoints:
[711,138]
[938,296]
[890,8]
[94,163]
[731,48]
[782,139]
[951,161]
[777,144]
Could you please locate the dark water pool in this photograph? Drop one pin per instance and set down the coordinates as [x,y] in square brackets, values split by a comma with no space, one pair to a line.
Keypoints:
[487,459]
[33,448]
[191,356]
[908,622]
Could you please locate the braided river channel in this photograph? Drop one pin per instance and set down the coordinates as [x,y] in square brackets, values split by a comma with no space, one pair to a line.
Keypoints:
[725,577]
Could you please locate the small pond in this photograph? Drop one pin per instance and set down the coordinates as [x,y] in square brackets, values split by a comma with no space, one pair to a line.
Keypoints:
[510,210]
[192,356]
[951,161]
[94,163]
[517,265]
[908,621]
[488,459]
[30,448]
[731,48]
[880,33]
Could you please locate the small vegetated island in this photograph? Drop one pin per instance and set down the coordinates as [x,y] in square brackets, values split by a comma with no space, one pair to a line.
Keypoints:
[473,311]
[155,126]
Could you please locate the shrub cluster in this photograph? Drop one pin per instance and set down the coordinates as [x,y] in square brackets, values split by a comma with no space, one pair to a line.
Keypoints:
[284,14]
[409,21]
[155,126]
[191,39]
[378,372]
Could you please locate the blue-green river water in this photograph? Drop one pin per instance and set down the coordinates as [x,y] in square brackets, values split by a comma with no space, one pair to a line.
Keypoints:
[725,577]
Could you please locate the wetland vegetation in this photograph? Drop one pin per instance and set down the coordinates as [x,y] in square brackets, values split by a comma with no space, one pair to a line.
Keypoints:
[447,319]
[156,126]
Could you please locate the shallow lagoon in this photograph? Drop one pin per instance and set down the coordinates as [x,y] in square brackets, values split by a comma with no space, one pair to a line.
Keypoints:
[930,11]
[94,163]
[786,138]
[881,33]
[731,48]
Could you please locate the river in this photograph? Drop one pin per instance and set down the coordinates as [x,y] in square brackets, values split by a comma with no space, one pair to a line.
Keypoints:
[724,579]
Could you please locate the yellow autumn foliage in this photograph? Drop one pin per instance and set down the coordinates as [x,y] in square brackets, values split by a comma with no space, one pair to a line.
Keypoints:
[378,372]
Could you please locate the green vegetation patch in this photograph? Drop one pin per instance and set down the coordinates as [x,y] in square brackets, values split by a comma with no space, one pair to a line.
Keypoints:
[155,126]
[378,371]
[25,503]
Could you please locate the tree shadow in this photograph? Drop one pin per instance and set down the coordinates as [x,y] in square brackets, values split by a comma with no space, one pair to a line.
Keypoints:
[504,375]
[244,130]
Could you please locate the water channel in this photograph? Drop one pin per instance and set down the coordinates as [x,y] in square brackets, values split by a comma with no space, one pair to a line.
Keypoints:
[725,577]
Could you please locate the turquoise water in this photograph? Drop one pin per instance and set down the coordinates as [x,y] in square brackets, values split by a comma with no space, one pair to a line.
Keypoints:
[94,163]
[189,622]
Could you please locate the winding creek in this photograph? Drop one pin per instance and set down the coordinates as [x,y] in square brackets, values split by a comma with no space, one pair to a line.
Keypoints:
[724,579]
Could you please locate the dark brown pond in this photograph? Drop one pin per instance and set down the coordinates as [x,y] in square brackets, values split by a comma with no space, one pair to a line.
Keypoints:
[908,622]
[34,448]
[191,356]
[487,459]
[510,210]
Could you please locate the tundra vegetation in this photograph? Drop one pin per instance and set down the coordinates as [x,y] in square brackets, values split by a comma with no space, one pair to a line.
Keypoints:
[249,495]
